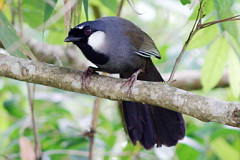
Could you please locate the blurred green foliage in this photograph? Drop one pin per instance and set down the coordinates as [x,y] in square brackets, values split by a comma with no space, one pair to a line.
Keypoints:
[63,118]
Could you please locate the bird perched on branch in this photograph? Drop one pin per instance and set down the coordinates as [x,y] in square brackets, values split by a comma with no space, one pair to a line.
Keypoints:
[116,45]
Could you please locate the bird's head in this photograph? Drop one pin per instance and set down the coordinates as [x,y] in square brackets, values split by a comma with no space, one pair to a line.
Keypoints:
[88,33]
[80,33]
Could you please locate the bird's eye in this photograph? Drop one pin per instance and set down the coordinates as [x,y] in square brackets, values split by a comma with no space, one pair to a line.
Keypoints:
[88,31]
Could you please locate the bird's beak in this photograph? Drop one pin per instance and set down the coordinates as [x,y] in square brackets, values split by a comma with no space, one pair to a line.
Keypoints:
[72,39]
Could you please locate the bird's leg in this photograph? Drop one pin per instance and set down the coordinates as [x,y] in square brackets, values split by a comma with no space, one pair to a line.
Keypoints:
[86,74]
[130,81]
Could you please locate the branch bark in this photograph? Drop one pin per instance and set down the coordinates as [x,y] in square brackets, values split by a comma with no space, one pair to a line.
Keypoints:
[70,57]
[155,93]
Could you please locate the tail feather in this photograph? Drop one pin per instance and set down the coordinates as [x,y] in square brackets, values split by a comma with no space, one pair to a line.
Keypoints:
[170,125]
[137,127]
[150,124]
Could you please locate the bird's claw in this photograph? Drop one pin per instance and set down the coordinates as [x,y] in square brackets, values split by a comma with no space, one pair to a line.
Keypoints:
[85,77]
[130,81]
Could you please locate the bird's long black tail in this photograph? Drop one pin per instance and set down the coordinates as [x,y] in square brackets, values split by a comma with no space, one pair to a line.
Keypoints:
[150,124]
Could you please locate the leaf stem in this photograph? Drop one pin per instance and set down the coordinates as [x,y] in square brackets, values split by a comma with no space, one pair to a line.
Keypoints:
[37,147]
[194,30]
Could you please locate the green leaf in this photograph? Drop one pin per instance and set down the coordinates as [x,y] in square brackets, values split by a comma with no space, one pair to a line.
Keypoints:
[208,9]
[48,9]
[192,152]
[85,5]
[184,2]
[76,13]
[224,150]
[56,30]
[234,69]
[11,40]
[112,5]
[223,4]
[214,64]
[14,107]
[33,12]
[235,44]
[224,10]
[225,132]
[203,37]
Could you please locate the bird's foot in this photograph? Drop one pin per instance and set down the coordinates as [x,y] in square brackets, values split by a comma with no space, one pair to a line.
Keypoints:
[86,74]
[130,81]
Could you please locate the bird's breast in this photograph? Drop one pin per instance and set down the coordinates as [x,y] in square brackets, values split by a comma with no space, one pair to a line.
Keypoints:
[93,56]
[119,63]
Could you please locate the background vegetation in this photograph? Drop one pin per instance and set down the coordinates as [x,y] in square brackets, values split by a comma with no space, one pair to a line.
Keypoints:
[63,119]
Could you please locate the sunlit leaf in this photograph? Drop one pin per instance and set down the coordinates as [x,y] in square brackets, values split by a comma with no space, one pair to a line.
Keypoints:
[13,107]
[224,10]
[224,150]
[234,71]
[85,5]
[207,10]
[4,125]
[214,63]
[235,44]
[32,12]
[56,30]
[222,4]
[224,132]
[192,153]
[48,9]
[76,13]
[11,40]
[203,37]
[112,5]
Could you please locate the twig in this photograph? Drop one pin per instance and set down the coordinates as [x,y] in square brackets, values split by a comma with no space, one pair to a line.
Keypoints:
[13,12]
[192,33]
[20,18]
[95,116]
[234,18]
[120,8]
[196,27]
[30,94]
[37,148]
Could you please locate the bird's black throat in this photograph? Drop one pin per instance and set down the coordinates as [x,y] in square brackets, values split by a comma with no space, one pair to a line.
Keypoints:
[92,55]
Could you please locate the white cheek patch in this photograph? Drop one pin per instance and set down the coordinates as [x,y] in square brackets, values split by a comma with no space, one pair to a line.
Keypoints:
[97,40]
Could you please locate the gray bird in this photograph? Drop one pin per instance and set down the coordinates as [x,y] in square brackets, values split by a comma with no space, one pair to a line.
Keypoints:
[116,45]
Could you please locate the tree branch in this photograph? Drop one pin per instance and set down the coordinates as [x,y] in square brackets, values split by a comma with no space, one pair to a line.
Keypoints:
[70,57]
[155,93]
